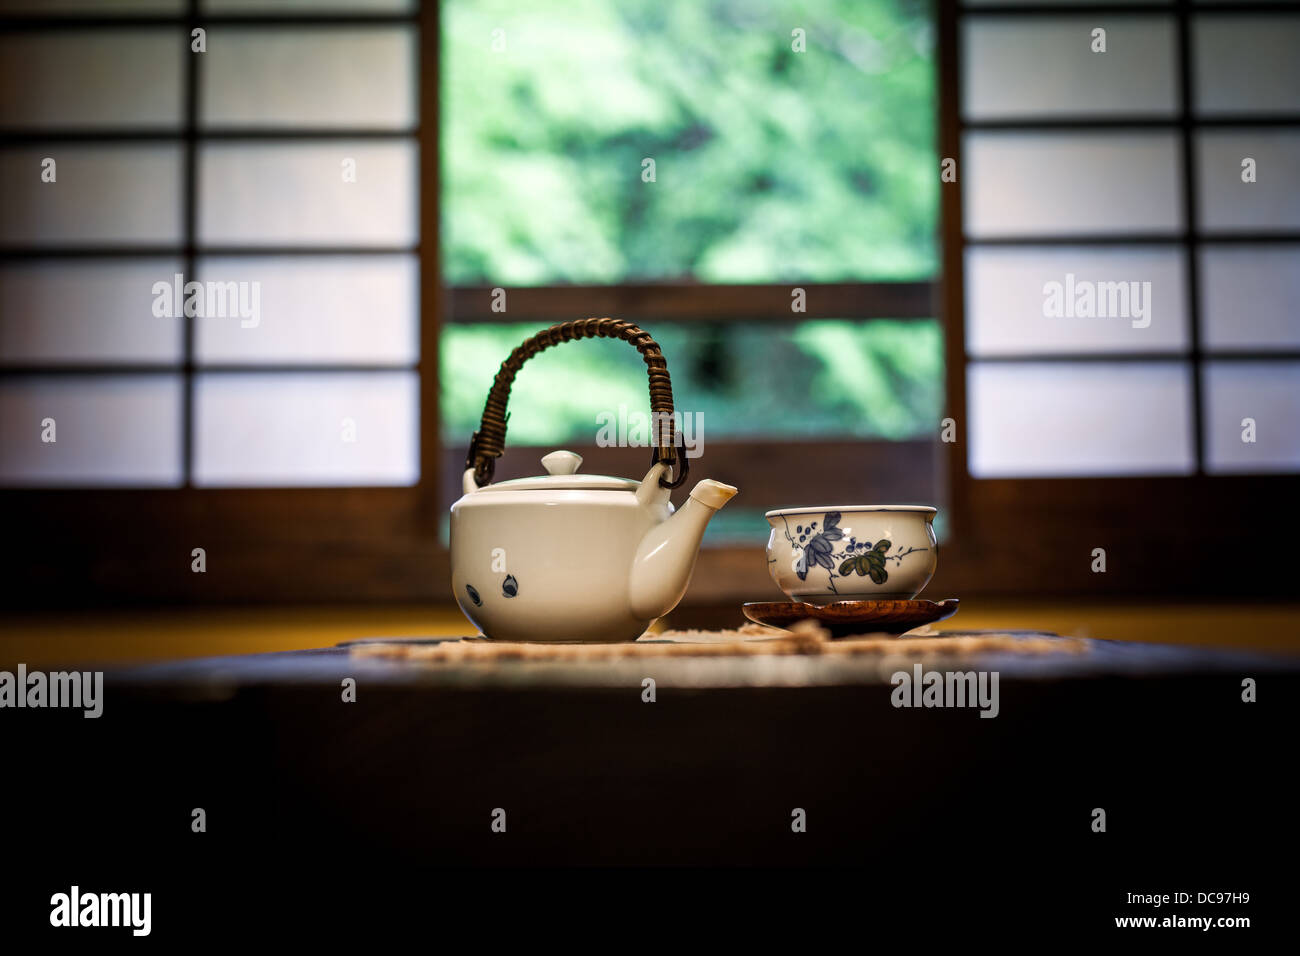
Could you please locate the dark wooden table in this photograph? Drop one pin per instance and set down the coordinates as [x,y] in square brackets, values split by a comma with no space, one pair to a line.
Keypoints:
[1195,783]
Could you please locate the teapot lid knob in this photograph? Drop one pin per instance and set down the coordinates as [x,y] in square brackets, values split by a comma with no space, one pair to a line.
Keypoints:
[562,463]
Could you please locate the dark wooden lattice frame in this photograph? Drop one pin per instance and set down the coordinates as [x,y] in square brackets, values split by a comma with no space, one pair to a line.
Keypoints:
[68,547]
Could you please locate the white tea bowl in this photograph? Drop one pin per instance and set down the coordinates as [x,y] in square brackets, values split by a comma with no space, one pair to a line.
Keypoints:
[852,553]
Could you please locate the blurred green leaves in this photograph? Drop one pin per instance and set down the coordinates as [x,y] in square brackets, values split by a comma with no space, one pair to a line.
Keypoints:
[771,165]
[875,379]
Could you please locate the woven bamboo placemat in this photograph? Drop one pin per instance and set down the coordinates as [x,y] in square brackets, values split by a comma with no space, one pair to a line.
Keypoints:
[805,638]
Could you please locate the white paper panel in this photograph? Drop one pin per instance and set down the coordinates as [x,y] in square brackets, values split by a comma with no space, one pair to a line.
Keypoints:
[1250,296]
[96,311]
[1137,294]
[111,193]
[1246,64]
[1085,418]
[109,430]
[1227,204]
[295,194]
[1044,67]
[291,428]
[77,78]
[329,309]
[1071,184]
[310,76]
[1269,393]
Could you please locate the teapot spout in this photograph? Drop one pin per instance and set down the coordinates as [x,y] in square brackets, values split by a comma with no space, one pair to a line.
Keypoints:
[666,556]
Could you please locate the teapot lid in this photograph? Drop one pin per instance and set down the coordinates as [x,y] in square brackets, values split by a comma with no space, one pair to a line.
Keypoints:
[562,474]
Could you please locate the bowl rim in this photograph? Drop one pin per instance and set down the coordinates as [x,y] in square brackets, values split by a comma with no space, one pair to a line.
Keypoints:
[856,509]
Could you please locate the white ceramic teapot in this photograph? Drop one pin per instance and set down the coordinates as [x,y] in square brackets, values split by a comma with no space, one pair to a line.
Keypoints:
[572,557]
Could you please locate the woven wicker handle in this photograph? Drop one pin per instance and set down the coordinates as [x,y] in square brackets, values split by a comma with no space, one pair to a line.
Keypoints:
[489,441]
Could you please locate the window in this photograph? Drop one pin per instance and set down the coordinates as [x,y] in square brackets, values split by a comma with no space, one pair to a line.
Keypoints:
[210,274]
[211,298]
[1126,266]
[699,170]
[1121,273]
[689,168]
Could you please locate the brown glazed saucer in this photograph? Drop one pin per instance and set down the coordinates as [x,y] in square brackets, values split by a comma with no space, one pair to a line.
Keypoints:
[853,617]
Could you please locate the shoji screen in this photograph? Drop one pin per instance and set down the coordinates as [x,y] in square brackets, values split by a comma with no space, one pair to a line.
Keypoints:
[1132,237]
[277,168]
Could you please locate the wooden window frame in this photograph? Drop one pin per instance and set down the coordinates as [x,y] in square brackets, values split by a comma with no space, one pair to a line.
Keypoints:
[68,547]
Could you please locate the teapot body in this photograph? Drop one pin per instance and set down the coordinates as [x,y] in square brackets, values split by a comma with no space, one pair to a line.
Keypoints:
[552,567]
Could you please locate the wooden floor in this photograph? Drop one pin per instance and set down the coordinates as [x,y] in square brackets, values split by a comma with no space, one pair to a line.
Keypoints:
[58,638]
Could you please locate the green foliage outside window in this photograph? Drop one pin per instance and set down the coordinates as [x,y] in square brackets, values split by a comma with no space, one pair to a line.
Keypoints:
[770,166]
[816,379]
